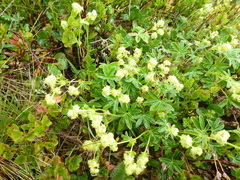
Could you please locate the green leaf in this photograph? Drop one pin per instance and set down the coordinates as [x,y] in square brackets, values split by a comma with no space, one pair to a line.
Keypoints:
[127,119]
[31,118]
[45,121]
[20,159]
[62,60]
[54,70]
[8,155]
[73,163]
[2,148]
[119,172]
[16,135]
[68,38]
[145,37]
[154,163]
[30,136]
[92,35]
[217,109]
[201,122]
[51,145]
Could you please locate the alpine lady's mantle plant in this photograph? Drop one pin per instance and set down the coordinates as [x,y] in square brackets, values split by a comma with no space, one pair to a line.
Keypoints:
[137,90]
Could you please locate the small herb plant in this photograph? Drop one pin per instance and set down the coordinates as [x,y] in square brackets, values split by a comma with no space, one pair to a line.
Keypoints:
[150,98]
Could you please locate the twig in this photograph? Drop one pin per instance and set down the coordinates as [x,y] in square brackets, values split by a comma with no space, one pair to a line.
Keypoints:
[7,7]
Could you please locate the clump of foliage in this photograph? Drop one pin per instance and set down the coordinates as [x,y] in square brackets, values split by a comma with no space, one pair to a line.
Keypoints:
[134,90]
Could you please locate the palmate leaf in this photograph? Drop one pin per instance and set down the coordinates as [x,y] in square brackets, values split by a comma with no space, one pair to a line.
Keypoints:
[233,57]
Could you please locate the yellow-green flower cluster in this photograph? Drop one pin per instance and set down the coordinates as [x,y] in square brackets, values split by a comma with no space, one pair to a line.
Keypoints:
[132,167]
[122,98]
[221,137]
[173,130]
[74,112]
[77,8]
[73,91]
[235,90]
[92,15]
[105,139]
[158,29]
[214,34]
[187,142]
[164,67]
[174,81]
[94,166]
[51,81]
[127,63]
[224,47]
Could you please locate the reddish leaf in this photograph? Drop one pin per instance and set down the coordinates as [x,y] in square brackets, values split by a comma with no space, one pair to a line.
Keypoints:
[110,167]
[15,37]
[41,109]
[58,99]
[15,43]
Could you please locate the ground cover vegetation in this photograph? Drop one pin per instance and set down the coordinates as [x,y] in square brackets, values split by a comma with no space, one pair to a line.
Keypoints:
[105,89]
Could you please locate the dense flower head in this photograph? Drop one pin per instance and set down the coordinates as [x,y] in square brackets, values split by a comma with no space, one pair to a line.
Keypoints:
[186,141]
[234,42]
[235,87]
[145,88]
[100,130]
[74,112]
[96,120]
[199,59]
[57,90]
[131,168]
[173,130]
[92,15]
[115,92]
[160,23]
[214,34]
[122,52]
[106,90]
[142,159]
[167,63]
[164,69]
[152,63]
[107,140]
[137,53]
[77,8]
[94,166]
[50,99]
[73,91]
[150,77]
[120,73]
[129,157]
[135,168]
[206,42]
[236,97]
[90,145]
[154,35]
[174,81]
[64,24]
[139,100]
[132,62]
[160,32]
[51,81]
[124,98]
[196,151]
[224,47]
[221,136]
